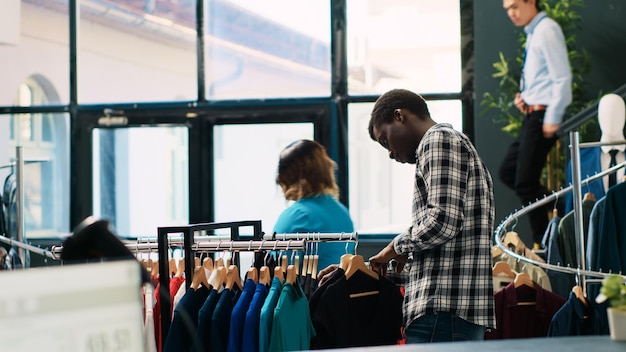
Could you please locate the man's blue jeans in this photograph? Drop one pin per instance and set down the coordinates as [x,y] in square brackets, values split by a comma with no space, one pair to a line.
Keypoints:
[443,327]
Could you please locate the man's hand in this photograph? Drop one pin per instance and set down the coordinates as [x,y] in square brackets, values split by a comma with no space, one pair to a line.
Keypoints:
[378,263]
[519,103]
[549,130]
[325,274]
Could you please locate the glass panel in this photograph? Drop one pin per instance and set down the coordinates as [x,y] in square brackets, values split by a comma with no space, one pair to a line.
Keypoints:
[47,126]
[29,31]
[147,47]
[245,175]
[267,49]
[381,190]
[141,178]
[46,175]
[390,45]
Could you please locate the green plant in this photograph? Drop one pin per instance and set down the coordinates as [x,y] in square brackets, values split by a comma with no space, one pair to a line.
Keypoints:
[613,289]
[508,70]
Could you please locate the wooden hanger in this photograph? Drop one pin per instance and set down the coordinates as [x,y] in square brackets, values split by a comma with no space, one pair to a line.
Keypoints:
[296,263]
[180,268]
[496,251]
[253,274]
[523,279]
[578,291]
[305,265]
[357,263]
[284,262]
[219,262]
[279,273]
[233,278]
[264,275]
[314,266]
[291,274]
[207,263]
[217,277]
[172,266]
[196,261]
[155,268]
[513,241]
[589,196]
[309,266]
[199,277]
[344,261]
[503,268]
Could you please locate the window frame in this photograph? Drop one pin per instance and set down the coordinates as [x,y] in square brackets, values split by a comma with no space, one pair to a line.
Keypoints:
[330,121]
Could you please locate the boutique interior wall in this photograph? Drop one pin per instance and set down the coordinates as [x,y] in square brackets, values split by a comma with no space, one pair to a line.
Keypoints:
[602,34]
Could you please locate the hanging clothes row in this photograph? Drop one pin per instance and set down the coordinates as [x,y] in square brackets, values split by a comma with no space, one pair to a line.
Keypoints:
[214,315]
[216,294]
[219,312]
[329,246]
[575,314]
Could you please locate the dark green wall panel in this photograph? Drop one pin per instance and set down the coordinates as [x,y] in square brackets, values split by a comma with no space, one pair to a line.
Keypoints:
[603,35]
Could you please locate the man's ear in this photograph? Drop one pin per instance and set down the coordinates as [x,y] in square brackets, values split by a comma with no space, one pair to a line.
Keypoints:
[397,115]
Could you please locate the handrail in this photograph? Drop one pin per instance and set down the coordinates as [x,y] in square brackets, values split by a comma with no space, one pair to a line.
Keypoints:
[588,113]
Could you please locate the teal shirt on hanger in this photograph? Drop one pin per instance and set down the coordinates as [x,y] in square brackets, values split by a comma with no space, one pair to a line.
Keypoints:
[319,214]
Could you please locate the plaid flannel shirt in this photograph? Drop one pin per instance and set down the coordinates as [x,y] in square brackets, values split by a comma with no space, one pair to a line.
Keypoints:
[449,242]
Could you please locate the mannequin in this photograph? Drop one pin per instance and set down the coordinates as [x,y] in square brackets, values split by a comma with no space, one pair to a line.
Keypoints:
[611,118]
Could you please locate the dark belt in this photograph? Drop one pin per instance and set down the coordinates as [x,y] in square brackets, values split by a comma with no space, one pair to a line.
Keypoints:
[532,108]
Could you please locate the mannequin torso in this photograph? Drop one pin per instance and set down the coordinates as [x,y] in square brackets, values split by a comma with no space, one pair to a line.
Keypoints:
[611,118]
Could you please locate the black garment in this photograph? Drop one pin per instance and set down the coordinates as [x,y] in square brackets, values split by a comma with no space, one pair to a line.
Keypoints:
[185,320]
[613,175]
[201,339]
[95,240]
[521,169]
[220,321]
[372,320]
[575,319]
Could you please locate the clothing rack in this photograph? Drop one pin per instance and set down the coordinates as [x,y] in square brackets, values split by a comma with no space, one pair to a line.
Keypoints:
[18,166]
[576,187]
[150,244]
[212,244]
[188,233]
[313,236]
[33,249]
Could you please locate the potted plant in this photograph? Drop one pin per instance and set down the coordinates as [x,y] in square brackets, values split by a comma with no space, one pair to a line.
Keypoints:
[614,290]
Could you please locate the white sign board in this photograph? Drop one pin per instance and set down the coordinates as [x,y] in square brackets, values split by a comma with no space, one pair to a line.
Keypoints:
[80,307]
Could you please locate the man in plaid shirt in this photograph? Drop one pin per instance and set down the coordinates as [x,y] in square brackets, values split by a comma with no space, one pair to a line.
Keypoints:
[444,258]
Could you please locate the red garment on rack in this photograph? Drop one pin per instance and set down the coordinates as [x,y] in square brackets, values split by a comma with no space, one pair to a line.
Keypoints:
[523,312]
[175,284]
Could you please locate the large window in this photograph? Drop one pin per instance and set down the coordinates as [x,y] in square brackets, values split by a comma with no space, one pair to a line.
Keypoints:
[388,47]
[381,189]
[413,44]
[255,58]
[245,173]
[141,178]
[44,140]
[136,51]
[267,49]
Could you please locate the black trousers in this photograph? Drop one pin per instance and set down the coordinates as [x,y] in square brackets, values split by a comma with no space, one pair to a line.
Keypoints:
[521,169]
